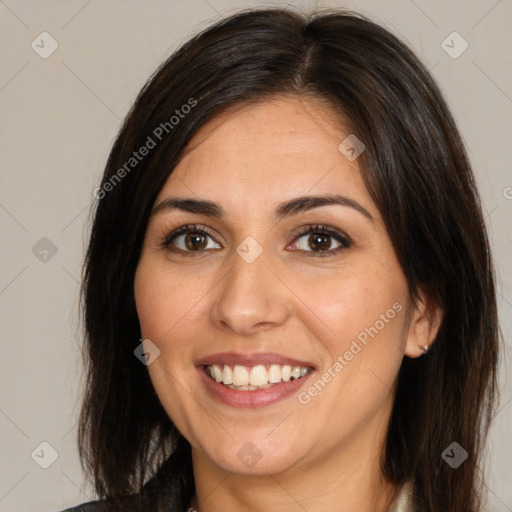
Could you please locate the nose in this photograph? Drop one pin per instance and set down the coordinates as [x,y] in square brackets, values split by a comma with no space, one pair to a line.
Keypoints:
[250,298]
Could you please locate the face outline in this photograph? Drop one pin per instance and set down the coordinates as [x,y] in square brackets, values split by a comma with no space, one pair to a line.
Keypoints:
[192,306]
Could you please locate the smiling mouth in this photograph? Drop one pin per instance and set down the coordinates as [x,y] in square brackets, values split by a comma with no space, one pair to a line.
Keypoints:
[244,378]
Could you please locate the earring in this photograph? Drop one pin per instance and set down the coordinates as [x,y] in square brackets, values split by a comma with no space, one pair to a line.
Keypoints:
[424,348]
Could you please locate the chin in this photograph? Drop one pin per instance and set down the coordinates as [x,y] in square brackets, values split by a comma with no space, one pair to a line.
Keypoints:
[256,458]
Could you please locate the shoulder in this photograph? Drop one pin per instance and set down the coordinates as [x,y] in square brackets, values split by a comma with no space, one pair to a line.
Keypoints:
[90,506]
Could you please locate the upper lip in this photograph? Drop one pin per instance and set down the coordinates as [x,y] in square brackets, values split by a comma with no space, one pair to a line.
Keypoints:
[251,359]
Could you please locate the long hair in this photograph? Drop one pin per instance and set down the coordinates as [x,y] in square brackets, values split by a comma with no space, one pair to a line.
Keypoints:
[418,174]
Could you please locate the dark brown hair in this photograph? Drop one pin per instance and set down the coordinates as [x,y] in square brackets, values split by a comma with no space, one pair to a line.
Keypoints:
[417,172]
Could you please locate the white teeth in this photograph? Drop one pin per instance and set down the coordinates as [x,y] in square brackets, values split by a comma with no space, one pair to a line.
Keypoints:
[227,375]
[217,374]
[257,377]
[274,373]
[242,388]
[240,376]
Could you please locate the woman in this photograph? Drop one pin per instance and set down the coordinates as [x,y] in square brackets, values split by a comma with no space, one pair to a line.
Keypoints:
[289,297]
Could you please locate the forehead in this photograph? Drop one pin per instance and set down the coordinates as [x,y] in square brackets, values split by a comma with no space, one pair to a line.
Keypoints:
[268,152]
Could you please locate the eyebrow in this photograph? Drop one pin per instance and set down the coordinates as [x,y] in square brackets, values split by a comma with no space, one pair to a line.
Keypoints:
[284,209]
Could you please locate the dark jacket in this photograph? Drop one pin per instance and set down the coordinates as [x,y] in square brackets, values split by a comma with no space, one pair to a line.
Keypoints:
[91,506]
[401,503]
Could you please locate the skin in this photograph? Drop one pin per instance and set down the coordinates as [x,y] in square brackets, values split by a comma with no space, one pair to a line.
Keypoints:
[323,455]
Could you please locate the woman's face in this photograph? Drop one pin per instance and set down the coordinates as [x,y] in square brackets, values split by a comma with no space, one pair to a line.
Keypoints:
[248,286]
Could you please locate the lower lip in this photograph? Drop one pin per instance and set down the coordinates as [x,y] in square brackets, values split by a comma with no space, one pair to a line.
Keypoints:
[255,398]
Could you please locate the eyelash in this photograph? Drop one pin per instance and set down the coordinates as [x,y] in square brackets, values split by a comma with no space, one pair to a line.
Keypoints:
[321,229]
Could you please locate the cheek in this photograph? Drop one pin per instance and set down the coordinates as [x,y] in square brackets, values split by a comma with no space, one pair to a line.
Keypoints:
[165,300]
[346,303]
[360,329]
[165,315]
[358,318]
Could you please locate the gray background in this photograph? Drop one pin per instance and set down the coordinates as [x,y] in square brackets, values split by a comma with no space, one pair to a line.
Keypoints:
[59,117]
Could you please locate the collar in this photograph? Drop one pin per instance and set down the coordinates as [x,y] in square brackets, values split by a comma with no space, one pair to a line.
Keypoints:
[403,499]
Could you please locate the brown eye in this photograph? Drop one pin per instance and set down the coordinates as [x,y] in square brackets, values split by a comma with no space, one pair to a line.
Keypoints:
[189,239]
[195,241]
[319,242]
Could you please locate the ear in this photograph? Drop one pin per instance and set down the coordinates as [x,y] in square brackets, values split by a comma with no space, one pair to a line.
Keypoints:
[423,328]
